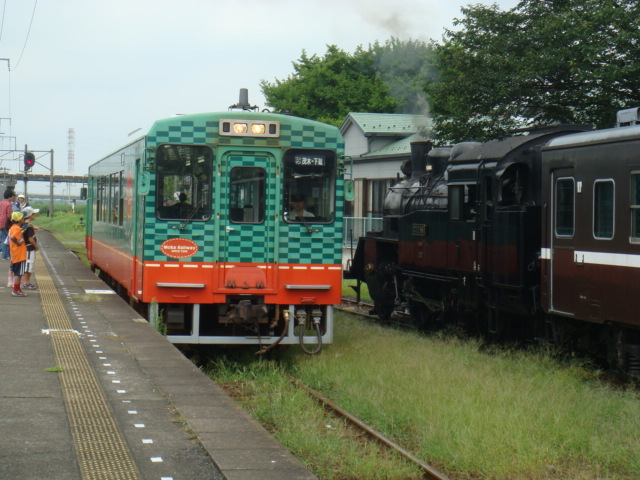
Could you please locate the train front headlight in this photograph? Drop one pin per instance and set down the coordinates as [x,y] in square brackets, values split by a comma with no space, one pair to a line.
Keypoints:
[257,128]
[240,128]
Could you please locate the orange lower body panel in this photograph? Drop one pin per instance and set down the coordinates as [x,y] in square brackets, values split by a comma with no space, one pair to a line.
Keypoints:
[181,282]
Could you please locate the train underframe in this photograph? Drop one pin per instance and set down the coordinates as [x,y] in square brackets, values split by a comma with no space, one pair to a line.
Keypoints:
[498,313]
[245,320]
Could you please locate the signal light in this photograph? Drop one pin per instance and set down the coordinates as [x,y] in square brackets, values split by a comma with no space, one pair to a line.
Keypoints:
[29,161]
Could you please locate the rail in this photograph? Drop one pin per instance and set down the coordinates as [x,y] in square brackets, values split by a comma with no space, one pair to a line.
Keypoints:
[430,472]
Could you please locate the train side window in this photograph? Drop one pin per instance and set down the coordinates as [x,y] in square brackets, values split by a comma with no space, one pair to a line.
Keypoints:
[564,211]
[247,194]
[183,182]
[603,209]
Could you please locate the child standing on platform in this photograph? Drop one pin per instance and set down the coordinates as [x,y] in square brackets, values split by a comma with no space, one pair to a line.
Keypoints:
[18,253]
[29,235]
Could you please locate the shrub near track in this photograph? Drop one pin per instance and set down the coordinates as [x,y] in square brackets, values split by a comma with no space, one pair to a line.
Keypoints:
[471,412]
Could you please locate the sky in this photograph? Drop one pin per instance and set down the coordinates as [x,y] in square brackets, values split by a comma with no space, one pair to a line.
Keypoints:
[106,68]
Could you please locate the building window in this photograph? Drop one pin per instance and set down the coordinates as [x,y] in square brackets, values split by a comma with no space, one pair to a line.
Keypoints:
[603,209]
[564,212]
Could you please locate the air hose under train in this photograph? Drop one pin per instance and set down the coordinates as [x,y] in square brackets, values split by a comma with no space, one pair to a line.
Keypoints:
[265,349]
[301,316]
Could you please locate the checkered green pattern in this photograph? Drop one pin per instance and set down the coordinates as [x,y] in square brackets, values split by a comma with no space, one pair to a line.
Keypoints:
[247,242]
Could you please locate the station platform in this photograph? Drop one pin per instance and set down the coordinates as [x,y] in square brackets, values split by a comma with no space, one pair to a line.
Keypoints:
[89,390]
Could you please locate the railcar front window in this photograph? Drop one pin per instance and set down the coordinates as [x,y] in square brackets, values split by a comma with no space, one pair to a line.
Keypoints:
[603,209]
[565,218]
[309,186]
[247,195]
[183,182]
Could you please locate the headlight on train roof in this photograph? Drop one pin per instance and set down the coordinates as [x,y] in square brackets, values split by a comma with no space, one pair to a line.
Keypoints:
[249,128]
[240,128]
[258,128]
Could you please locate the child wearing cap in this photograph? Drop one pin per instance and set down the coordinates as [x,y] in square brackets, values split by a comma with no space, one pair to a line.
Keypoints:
[18,253]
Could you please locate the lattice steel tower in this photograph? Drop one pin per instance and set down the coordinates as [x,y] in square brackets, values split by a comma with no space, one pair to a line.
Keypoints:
[72,145]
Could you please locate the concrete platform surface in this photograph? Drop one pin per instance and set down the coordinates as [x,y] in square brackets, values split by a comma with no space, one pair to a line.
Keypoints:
[174,422]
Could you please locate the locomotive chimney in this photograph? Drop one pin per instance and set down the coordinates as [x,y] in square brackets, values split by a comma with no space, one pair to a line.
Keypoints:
[419,151]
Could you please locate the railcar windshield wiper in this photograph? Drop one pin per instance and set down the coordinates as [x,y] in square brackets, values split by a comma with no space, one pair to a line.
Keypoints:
[190,217]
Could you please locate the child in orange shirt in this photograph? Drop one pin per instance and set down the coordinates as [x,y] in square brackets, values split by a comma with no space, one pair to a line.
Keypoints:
[18,253]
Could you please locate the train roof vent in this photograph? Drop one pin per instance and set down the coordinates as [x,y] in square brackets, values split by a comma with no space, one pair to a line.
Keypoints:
[629,116]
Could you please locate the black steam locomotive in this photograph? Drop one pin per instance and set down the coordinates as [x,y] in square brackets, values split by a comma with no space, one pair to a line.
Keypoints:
[529,236]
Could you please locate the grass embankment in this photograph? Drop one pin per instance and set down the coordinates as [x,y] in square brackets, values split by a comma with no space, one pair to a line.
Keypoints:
[66,226]
[470,412]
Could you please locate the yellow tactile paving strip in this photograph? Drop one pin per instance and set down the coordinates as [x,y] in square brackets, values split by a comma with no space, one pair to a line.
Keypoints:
[101,449]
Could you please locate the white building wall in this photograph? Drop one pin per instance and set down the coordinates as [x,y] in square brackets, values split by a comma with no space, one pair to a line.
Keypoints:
[376,170]
[355,143]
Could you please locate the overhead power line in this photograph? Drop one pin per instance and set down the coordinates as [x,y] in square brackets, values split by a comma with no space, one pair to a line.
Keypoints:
[4,8]
[33,14]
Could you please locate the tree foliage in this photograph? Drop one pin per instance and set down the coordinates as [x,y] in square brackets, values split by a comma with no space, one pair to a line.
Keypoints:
[387,78]
[542,62]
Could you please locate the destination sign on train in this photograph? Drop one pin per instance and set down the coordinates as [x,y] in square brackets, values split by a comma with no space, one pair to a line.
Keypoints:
[310,160]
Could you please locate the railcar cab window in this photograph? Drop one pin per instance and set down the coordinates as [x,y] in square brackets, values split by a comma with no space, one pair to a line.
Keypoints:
[247,195]
[513,182]
[462,202]
[309,186]
[183,182]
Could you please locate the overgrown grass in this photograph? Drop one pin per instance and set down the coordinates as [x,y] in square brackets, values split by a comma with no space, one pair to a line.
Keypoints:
[326,444]
[66,227]
[475,413]
[348,291]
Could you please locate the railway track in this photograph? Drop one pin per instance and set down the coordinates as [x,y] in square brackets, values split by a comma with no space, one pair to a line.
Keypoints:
[398,318]
[429,471]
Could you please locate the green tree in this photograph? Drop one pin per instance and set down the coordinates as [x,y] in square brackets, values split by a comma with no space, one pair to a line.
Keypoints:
[542,62]
[382,79]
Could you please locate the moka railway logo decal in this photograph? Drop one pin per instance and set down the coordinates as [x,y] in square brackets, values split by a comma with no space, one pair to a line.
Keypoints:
[179,248]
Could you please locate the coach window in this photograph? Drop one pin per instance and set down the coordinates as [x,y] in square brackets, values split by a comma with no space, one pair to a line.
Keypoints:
[564,212]
[247,195]
[309,186]
[603,209]
[100,199]
[635,207]
[183,182]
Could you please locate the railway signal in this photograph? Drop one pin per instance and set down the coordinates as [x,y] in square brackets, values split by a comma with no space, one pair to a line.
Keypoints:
[29,161]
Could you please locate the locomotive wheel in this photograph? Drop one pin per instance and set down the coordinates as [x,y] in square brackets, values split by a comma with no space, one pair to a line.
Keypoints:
[382,293]
[422,317]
